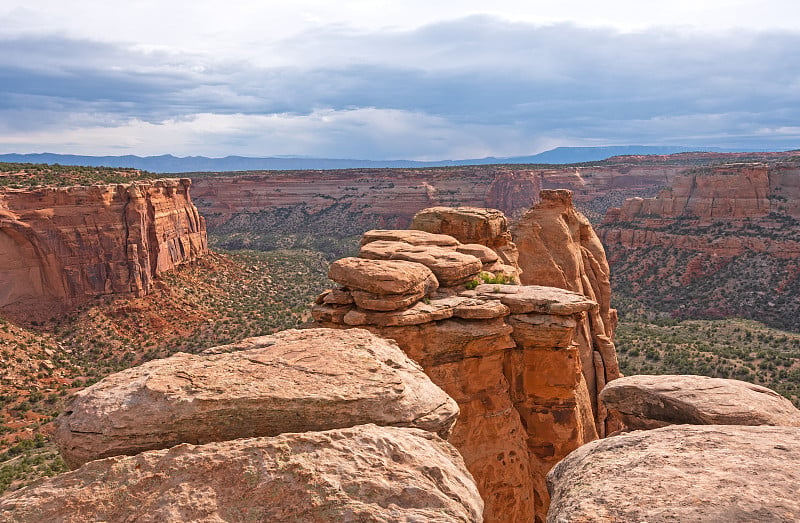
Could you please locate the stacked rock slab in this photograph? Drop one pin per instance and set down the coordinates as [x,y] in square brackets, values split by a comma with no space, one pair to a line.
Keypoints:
[558,247]
[505,353]
[470,225]
[342,426]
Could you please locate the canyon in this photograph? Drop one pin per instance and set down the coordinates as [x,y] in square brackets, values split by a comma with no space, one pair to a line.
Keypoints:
[720,241]
[525,364]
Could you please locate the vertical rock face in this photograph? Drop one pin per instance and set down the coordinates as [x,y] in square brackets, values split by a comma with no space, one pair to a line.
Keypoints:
[62,246]
[558,247]
[720,241]
[509,355]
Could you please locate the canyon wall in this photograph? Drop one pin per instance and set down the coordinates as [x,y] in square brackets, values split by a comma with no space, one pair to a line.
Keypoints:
[60,246]
[726,236]
[328,210]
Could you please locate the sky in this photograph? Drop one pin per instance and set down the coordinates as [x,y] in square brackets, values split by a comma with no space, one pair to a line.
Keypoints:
[411,79]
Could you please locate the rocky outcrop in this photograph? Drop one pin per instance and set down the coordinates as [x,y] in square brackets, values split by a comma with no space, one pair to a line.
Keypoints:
[470,225]
[363,473]
[293,381]
[719,241]
[647,402]
[61,246]
[558,247]
[507,354]
[681,473]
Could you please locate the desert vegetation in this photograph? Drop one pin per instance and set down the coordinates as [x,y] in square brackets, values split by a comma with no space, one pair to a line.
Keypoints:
[220,299]
[29,175]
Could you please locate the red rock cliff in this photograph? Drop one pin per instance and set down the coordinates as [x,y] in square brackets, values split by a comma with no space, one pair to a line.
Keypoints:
[720,241]
[60,246]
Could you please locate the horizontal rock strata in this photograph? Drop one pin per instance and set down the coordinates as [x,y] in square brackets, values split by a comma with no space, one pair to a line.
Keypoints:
[507,354]
[647,402]
[293,381]
[363,473]
[61,246]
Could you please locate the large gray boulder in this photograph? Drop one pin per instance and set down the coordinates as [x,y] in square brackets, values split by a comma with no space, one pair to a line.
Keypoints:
[646,402]
[686,473]
[293,381]
[363,473]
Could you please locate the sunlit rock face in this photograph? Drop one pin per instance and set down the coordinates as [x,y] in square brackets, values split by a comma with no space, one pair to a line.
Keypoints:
[510,355]
[64,245]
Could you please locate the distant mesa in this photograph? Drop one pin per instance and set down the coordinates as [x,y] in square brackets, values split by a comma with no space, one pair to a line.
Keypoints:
[172,164]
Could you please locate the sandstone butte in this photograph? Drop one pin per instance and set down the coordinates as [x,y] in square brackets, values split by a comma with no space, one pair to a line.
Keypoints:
[313,425]
[61,246]
[508,354]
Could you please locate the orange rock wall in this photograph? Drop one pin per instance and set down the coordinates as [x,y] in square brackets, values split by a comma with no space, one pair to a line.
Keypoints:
[558,247]
[738,196]
[62,246]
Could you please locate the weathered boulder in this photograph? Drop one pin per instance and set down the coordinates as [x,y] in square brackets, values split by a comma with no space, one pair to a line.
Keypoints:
[409,236]
[681,473]
[482,252]
[647,402]
[521,299]
[383,276]
[451,268]
[293,381]
[363,473]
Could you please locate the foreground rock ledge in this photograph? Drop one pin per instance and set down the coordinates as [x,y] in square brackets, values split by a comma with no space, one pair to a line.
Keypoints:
[691,473]
[364,473]
[647,402]
[293,381]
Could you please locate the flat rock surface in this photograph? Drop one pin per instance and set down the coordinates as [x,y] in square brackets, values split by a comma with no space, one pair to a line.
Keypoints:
[409,236]
[645,402]
[364,473]
[681,473]
[293,381]
[450,267]
[380,276]
[522,299]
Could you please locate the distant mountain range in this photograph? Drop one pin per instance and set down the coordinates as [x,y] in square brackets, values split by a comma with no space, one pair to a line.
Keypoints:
[173,164]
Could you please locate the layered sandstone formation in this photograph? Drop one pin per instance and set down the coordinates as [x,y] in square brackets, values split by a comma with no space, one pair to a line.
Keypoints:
[724,235]
[312,425]
[558,247]
[681,473]
[60,246]
[647,402]
[507,354]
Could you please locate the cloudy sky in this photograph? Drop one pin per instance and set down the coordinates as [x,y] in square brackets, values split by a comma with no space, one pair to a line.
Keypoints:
[379,79]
